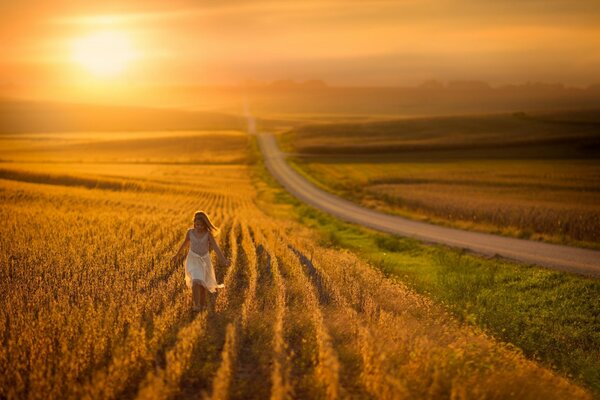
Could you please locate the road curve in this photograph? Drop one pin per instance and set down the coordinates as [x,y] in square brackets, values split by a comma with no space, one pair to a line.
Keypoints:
[563,258]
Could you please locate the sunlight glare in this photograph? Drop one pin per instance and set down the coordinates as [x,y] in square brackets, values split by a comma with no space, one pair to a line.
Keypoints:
[105,53]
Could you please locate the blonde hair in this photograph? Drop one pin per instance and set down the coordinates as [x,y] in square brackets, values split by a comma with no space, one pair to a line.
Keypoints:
[201,215]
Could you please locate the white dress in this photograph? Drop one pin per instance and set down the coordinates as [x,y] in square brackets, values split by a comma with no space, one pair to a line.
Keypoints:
[199,267]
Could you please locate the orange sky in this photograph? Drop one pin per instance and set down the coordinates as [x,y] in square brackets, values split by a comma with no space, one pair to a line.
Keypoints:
[343,42]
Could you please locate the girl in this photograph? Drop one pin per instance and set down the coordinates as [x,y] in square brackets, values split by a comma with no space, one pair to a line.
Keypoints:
[199,272]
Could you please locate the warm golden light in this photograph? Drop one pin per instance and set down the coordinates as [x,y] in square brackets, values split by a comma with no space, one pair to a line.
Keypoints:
[105,53]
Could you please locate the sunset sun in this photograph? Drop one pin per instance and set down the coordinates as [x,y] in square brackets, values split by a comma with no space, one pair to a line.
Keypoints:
[104,53]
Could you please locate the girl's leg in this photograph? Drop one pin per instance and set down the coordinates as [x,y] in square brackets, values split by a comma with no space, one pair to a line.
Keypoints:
[202,296]
[196,287]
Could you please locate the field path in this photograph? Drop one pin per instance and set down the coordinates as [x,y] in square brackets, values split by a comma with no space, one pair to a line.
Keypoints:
[563,258]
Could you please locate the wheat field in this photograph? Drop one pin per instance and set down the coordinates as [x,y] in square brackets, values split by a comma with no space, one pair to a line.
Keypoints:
[93,308]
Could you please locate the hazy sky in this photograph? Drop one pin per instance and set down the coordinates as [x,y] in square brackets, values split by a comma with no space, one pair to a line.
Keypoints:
[342,42]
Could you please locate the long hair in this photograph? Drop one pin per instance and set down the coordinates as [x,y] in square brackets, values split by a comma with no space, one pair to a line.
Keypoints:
[201,215]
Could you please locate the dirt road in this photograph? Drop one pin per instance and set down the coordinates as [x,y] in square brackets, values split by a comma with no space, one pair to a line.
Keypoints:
[564,258]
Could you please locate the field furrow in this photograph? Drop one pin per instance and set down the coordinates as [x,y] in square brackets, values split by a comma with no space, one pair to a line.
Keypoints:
[281,387]
[222,380]
[222,299]
[295,348]
[256,322]
[327,367]
[165,382]
[252,272]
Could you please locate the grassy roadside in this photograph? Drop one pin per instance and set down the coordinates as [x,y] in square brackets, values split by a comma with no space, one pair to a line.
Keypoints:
[551,316]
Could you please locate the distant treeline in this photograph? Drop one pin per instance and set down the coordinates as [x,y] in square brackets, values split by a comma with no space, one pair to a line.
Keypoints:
[430,98]
[311,98]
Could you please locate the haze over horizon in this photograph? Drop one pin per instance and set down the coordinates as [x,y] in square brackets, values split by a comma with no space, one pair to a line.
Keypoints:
[345,43]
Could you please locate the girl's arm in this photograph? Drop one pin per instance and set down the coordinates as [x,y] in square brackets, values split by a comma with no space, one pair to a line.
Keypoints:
[213,245]
[185,243]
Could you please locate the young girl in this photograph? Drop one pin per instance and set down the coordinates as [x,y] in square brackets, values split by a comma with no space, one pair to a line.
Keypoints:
[199,272]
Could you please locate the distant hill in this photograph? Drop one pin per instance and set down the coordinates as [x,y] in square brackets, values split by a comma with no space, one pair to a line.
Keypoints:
[26,116]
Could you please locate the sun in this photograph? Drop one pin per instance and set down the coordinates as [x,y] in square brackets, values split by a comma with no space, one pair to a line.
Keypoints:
[104,53]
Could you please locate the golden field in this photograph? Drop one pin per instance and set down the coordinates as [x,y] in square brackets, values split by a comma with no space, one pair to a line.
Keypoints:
[92,307]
